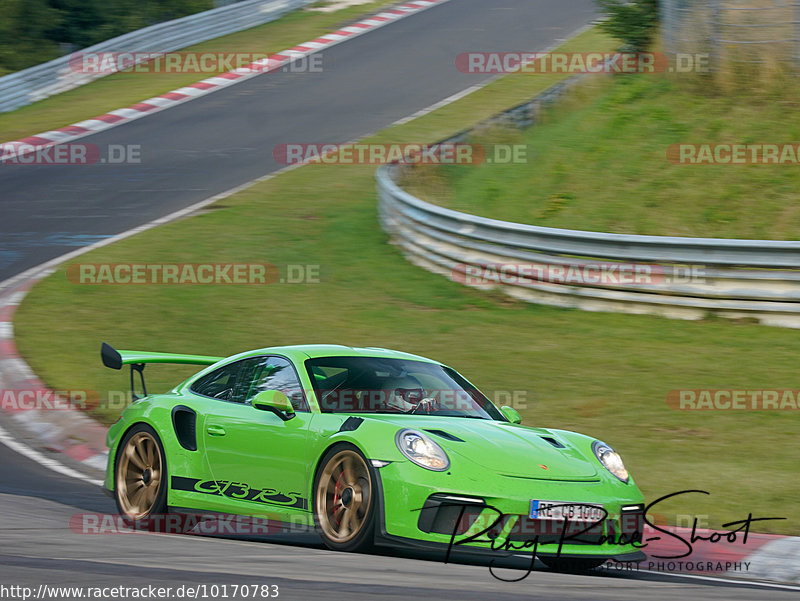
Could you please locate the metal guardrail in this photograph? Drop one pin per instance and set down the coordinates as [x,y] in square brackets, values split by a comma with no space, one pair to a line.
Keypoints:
[685,277]
[56,76]
[682,277]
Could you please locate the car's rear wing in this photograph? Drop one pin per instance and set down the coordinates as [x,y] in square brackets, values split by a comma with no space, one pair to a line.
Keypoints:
[138,359]
[116,359]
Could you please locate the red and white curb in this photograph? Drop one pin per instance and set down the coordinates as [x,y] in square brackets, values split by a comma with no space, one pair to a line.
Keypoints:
[67,431]
[770,557]
[777,560]
[17,148]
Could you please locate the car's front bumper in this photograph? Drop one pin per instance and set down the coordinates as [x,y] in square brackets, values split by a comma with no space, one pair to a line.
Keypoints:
[406,514]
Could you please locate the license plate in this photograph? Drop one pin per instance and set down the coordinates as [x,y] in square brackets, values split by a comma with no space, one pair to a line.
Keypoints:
[559,510]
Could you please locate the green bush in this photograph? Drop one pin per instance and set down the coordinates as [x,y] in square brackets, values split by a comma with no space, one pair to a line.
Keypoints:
[633,23]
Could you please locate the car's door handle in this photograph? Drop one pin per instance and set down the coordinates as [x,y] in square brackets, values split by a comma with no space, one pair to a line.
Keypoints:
[216,430]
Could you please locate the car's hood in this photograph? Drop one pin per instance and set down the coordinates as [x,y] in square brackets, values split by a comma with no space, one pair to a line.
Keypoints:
[505,448]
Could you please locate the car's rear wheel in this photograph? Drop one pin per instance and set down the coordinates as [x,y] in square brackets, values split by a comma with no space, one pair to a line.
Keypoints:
[140,475]
[572,565]
[344,500]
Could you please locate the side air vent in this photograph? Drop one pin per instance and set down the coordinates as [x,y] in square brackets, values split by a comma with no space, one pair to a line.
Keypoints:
[351,423]
[446,435]
[553,442]
[184,420]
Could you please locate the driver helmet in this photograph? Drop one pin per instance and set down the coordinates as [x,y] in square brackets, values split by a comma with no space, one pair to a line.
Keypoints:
[403,393]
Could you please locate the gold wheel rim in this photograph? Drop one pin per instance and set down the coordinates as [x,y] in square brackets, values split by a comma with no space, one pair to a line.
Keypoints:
[139,475]
[343,496]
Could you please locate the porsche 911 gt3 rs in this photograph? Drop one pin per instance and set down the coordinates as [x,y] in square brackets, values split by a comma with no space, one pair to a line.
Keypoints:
[368,446]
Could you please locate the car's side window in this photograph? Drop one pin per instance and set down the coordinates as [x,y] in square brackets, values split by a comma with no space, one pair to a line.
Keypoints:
[277,373]
[224,383]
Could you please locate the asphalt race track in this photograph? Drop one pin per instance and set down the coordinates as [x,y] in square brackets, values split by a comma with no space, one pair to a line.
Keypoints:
[39,547]
[208,146]
[216,142]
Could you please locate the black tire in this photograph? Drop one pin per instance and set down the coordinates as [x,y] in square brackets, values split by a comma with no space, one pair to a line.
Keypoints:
[141,478]
[345,520]
[572,565]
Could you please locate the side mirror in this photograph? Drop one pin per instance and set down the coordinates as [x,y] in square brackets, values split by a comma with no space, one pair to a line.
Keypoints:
[511,414]
[274,401]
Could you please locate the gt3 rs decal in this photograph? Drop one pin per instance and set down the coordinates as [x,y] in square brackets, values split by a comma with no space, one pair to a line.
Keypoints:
[239,491]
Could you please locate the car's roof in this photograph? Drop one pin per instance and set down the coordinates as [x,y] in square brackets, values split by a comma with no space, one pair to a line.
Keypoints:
[301,352]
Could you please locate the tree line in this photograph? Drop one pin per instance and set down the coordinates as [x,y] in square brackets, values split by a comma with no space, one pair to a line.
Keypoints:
[36,31]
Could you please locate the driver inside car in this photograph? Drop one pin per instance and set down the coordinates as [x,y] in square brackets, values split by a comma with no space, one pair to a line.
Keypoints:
[406,395]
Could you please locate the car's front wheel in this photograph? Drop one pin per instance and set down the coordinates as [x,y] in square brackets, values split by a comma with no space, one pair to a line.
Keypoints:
[344,500]
[140,478]
[572,565]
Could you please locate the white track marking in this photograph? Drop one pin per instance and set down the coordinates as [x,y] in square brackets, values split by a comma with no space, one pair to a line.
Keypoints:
[334,6]
[474,88]
[720,579]
[738,581]
[441,103]
[39,458]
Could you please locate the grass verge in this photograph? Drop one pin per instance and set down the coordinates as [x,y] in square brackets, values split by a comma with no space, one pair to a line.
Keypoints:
[598,161]
[124,89]
[606,375]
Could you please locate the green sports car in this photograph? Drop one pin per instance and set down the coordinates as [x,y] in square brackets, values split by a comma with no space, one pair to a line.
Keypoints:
[369,447]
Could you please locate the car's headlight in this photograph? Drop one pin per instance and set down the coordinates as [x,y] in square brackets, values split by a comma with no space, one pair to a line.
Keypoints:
[610,460]
[423,451]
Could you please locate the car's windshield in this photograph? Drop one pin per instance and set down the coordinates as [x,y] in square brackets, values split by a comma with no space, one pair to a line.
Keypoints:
[382,385]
